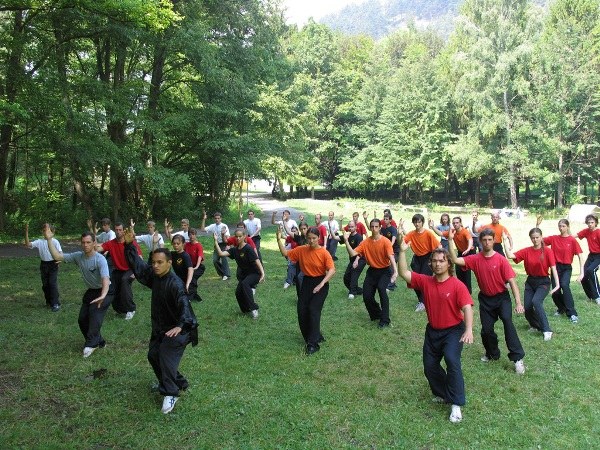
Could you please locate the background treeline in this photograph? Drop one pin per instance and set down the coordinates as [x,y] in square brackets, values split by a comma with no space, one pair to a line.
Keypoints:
[144,108]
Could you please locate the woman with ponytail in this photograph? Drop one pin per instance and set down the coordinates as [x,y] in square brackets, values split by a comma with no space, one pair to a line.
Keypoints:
[538,262]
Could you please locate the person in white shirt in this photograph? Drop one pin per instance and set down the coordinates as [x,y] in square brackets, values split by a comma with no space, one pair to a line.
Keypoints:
[48,267]
[286,223]
[185,227]
[333,230]
[253,227]
[222,231]
[106,235]
[474,228]
[152,240]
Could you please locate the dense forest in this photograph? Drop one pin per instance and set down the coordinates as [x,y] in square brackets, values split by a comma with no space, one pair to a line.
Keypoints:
[155,108]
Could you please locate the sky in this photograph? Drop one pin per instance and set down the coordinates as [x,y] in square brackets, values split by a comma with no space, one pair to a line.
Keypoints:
[298,11]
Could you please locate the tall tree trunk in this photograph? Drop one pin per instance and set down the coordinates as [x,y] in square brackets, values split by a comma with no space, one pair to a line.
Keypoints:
[13,78]
[560,188]
[512,178]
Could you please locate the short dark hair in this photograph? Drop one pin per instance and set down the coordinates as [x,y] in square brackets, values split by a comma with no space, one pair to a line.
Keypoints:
[88,233]
[486,232]
[178,237]
[376,220]
[418,218]
[164,251]
[314,230]
[105,221]
[591,216]
[119,224]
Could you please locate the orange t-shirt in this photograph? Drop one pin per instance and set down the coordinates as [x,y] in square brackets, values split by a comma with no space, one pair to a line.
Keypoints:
[422,243]
[314,262]
[376,252]
[461,239]
[498,230]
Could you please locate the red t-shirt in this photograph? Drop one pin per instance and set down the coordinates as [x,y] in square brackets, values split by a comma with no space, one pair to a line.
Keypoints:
[492,272]
[322,234]
[195,250]
[117,253]
[233,241]
[443,300]
[564,247]
[593,239]
[360,228]
[537,261]
[290,240]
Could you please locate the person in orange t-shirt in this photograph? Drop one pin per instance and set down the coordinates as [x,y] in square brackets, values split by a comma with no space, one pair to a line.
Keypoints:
[422,242]
[464,243]
[317,266]
[382,271]
[499,232]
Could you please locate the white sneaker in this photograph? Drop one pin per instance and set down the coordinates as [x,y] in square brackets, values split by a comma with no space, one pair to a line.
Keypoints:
[286,285]
[547,335]
[253,292]
[597,301]
[169,403]
[519,367]
[129,315]
[87,351]
[420,307]
[350,296]
[455,414]
[484,358]
[225,278]
[574,318]
[254,313]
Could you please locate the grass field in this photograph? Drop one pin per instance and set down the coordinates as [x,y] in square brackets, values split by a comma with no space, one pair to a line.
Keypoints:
[252,387]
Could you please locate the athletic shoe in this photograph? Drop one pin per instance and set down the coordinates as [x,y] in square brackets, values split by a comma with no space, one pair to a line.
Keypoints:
[420,307]
[286,285]
[547,335]
[484,358]
[350,296]
[129,315]
[254,313]
[225,278]
[455,414]
[253,292]
[169,403]
[597,301]
[532,329]
[437,399]
[87,351]
[557,313]
[519,367]
[55,308]
[574,318]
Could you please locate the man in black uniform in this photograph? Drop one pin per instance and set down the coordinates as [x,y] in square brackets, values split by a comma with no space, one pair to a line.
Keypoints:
[355,265]
[174,324]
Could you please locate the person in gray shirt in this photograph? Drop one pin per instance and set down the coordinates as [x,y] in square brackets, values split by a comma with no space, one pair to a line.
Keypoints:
[97,298]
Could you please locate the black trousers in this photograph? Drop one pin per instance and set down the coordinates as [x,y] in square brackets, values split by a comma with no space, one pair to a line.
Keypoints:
[91,317]
[563,298]
[536,290]
[420,264]
[590,278]
[351,275]
[256,240]
[123,294]
[464,275]
[193,288]
[49,275]
[164,355]
[499,249]
[448,384]
[309,309]
[490,310]
[243,291]
[377,280]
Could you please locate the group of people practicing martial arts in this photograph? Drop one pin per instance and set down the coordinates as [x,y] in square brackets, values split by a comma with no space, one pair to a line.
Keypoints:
[443,257]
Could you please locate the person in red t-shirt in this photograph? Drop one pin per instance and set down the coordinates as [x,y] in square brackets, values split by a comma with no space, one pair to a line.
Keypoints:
[592,263]
[121,275]
[538,261]
[493,272]
[450,316]
[322,230]
[360,228]
[196,252]
[317,266]
[565,247]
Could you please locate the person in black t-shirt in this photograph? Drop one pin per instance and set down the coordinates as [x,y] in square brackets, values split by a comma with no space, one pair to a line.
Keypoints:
[355,265]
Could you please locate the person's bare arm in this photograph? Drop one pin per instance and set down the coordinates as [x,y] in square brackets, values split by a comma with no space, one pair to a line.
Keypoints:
[100,299]
[203,224]
[282,248]
[452,248]
[556,281]
[467,336]
[27,243]
[350,250]
[328,275]
[580,277]
[517,294]
[262,270]
[218,249]
[403,271]
[48,235]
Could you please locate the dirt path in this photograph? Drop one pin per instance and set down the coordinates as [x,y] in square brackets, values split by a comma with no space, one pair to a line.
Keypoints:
[263,200]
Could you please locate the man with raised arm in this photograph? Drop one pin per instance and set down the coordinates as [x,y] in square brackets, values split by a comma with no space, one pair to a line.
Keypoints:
[222,232]
[500,231]
[493,272]
[253,226]
[174,324]
[450,324]
[382,271]
[48,266]
[286,223]
[97,297]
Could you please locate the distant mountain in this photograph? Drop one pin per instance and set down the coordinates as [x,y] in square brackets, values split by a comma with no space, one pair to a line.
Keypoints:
[378,18]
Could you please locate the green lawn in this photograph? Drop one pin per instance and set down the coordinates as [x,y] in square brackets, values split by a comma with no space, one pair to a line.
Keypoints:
[252,387]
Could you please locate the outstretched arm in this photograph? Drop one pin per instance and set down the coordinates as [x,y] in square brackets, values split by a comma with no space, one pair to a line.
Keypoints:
[452,248]
[48,235]
[142,271]
[403,271]
[282,248]
[218,250]
[27,243]
[350,250]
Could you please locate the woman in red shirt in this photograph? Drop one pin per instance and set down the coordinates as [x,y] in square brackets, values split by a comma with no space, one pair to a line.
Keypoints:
[592,263]
[538,261]
[565,247]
